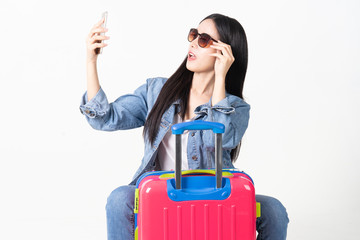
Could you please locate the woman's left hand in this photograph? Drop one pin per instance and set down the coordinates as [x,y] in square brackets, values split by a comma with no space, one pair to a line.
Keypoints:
[224,58]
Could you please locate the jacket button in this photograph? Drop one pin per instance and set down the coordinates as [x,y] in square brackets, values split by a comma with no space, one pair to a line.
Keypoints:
[194,158]
[193,134]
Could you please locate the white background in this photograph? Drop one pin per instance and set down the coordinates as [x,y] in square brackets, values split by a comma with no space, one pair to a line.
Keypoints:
[302,144]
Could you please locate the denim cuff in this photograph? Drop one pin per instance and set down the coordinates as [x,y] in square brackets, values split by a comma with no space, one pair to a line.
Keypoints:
[96,107]
[223,106]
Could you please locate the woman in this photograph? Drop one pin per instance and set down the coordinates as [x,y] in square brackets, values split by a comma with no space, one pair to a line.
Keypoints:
[208,86]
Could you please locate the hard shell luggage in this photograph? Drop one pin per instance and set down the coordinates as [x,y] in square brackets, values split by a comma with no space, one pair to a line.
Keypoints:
[198,204]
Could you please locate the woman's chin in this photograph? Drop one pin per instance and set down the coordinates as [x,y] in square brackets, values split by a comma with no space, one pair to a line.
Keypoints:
[190,66]
[194,66]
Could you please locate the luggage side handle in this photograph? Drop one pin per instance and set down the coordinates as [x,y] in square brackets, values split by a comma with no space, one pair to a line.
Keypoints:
[217,128]
[196,171]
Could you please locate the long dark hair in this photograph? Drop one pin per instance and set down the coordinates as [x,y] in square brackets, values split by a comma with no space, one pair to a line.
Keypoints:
[177,87]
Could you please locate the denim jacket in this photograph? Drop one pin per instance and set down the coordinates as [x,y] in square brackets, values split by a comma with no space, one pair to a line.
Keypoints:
[131,110]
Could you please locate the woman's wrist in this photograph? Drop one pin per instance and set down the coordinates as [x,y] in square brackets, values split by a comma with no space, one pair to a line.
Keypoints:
[90,61]
[219,90]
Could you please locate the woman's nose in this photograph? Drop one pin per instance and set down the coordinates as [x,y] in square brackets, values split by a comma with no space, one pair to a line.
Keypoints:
[194,43]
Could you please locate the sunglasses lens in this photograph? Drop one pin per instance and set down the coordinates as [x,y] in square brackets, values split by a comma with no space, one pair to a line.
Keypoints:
[192,34]
[204,40]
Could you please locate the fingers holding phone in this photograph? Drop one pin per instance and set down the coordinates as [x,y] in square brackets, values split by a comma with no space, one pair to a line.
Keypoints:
[95,39]
[103,25]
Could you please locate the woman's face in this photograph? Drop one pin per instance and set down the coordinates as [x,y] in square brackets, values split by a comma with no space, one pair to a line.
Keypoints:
[199,60]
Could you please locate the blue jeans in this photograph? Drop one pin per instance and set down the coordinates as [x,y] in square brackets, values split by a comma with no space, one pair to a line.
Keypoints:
[272,225]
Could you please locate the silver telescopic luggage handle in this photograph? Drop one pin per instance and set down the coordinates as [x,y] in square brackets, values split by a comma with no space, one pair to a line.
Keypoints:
[217,128]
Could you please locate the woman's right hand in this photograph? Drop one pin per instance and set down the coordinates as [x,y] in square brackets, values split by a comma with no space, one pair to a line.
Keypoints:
[93,41]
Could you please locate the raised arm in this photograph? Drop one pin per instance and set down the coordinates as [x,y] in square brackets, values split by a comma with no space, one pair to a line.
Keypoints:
[93,42]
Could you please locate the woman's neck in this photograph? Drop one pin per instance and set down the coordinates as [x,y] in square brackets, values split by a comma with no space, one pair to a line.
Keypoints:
[203,83]
[202,87]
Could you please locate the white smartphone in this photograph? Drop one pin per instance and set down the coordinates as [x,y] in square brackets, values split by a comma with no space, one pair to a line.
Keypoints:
[104,14]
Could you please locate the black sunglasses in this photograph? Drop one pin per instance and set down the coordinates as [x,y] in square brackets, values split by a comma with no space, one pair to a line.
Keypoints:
[204,39]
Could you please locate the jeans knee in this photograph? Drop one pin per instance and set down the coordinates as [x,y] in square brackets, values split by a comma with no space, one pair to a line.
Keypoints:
[278,208]
[273,222]
[121,199]
[273,209]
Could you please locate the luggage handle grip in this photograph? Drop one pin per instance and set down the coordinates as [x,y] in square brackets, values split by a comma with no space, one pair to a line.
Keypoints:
[198,125]
[217,128]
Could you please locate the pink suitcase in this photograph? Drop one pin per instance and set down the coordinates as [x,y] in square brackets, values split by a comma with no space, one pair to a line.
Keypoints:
[196,204]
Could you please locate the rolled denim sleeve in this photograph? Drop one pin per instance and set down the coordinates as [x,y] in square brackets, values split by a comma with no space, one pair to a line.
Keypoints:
[233,112]
[126,112]
[96,107]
